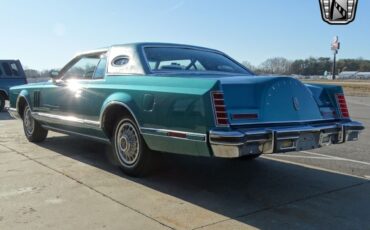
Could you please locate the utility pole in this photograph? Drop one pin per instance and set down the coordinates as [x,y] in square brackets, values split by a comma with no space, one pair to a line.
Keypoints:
[334,64]
[335,46]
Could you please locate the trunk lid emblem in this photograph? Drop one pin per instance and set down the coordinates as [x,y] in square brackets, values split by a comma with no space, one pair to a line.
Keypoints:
[296,104]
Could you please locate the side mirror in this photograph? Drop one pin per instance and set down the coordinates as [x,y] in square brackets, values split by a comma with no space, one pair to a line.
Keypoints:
[54,74]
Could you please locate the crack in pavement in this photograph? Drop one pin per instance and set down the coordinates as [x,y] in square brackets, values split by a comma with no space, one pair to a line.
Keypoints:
[89,187]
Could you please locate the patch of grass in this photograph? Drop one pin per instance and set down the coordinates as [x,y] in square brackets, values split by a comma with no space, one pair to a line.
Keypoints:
[351,88]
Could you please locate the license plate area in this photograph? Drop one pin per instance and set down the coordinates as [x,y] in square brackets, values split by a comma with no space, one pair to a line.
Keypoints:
[308,140]
[297,141]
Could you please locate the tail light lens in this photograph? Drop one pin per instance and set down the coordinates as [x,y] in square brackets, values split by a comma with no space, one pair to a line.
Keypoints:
[342,104]
[219,109]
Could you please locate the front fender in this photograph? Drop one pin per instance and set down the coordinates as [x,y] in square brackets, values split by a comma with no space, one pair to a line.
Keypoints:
[4,91]
[26,96]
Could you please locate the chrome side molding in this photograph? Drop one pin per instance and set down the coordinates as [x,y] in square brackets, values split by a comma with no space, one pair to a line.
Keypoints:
[69,119]
[174,134]
[58,130]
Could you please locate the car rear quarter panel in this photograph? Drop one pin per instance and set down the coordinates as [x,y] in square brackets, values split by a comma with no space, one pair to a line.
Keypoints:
[160,104]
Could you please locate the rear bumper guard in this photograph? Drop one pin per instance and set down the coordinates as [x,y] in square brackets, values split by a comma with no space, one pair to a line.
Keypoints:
[232,144]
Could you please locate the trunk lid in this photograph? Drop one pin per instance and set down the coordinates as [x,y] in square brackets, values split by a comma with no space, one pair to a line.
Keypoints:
[258,99]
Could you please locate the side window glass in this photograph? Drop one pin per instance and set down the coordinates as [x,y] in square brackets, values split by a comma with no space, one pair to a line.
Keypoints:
[7,69]
[1,72]
[14,69]
[82,69]
[100,69]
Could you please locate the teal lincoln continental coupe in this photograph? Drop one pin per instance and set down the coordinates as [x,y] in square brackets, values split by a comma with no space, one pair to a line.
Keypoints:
[148,97]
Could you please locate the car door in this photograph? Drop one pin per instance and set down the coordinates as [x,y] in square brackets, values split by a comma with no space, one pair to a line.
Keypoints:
[64,100]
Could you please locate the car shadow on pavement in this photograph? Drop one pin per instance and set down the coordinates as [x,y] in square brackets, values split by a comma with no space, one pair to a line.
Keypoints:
[4,115]
[261,193]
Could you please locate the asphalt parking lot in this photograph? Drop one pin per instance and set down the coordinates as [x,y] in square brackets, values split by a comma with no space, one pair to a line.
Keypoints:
[70,183]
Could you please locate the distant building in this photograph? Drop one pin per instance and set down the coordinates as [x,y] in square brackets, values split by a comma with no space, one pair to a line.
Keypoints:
[363,75]
[353,75]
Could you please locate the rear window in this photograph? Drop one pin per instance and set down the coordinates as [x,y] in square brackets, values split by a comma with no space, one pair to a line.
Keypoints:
[177,59]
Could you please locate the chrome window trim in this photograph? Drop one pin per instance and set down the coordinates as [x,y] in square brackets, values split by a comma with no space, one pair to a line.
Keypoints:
[149,71]
[91,52]
[106,67]
[119,57]
[78,57]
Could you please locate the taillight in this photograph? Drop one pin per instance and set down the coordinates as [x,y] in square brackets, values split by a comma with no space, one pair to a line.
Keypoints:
[219,109]
[342,104]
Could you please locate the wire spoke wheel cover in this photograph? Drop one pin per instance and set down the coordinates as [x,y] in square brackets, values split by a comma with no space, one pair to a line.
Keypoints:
[127,143]
[29,122]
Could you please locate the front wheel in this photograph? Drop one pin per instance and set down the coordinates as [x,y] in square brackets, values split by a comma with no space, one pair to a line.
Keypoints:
[32,128]
[130,150]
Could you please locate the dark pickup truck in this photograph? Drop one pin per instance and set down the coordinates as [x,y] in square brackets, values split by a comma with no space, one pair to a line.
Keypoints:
[11,74]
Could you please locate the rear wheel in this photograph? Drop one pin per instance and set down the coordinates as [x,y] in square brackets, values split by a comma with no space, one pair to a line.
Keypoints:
[32,128]
[130,150]
[2,102]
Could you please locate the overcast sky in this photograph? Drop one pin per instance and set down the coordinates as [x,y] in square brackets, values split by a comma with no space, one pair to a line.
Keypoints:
[46,34]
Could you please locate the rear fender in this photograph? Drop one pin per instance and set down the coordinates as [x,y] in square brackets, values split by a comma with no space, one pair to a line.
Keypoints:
[121,99]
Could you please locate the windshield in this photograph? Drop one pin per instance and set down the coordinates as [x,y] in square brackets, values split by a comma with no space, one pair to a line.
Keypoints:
[175,59]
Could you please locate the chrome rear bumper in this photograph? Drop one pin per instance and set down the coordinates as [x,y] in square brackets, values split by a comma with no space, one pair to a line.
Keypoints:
[232,144]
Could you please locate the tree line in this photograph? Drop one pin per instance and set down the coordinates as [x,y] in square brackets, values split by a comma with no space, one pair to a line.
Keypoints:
[307,67]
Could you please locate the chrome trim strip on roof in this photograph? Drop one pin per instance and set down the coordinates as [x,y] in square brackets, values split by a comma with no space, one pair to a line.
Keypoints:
[88,52]
[164,45]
